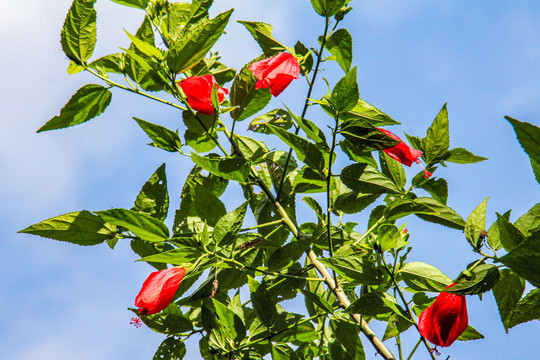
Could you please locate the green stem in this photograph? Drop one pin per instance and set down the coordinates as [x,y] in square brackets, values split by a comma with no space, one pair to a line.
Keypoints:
[306,103]
[414,349]
[135,91]
[406,304]
[370,230]
[328,197]
[263,225]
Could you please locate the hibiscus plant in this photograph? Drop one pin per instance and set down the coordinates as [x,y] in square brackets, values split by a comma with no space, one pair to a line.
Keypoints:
[264,249]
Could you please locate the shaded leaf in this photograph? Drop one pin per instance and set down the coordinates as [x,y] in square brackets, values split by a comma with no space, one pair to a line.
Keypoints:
[524,260]
[153,199]
[262,33]
[340,44]
[162,137]
[507,293]
[424,277]
[142,225]
[345,94]
[237,168]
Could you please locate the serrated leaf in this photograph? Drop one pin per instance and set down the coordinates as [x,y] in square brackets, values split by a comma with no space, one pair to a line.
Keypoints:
[262,303]
[507,293]
[530,221]
[262,33]
[78,35]
[365,136]
[88,102]
[199,137]
[340,44]
[481,279]
[142,225]
[191,48]
[443,214]
[524,260]
[145,47]
[354,202]
[80,227]
[112,63]
[462,156]
[470,333]
[162,137]
[328,8]
[392,169]
[247,100]
[424,277]
[305,151]
[527,309]
[229,225]
[170,349]
[153,199]
[169,321]
[180,256]
[348,345]
[509,236]
[229,321]
[344,95]
[368,113]
[237,168]
[437,188]
[356,269]
[476,224]
[437,140]
[528,136]
[367,179]
[139,4]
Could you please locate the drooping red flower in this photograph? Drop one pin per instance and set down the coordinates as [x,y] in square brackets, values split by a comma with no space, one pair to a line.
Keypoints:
[403,152]
[198,90]
[276,72]
[158,291]
[445,319]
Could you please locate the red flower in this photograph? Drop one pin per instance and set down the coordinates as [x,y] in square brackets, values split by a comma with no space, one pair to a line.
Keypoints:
[158,291]
[198,90]
[403,152]
[276,72]
[445,319]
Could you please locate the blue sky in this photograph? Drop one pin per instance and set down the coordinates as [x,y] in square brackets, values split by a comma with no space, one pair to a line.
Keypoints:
[62,301]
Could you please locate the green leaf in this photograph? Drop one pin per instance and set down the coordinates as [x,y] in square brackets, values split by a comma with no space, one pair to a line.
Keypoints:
[312,131]
[529,222]
[88,102]
[262,33]
[247,100]
[179,256]
[348,345]
[237,168]
[536,169]
[528,136]
[170,349]
[356,269]
[283,352]
[392,169]
[476,224]
[191,48]
[142,225]
[78,35]
[367,179]
[368,113]
[370,304]
[494,238]
[402,207]
[229,321]
[481,279]
[437,188]
[199,137]
[162,137]
[145,47]
[305,150]
[507,293]
[169,321]
[112,63]
[437,140]
[153,199]
[277,117]
[424,277]
[365,136]
[524,260]
[527,309]
[462,156]
[262,303]
[287,255]
[470,333]
[354,202]
[320,301]
[388,236]
[328,8]
[509,236]
[443,214]
[340,45]
[139,4]
[229,225]
[252,149]
[80,227]
[345,94]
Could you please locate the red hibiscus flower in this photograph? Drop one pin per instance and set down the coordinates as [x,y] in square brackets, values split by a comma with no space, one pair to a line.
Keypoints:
[445,319]
[276,72]
[158,291]
[198,90]
[403,152]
